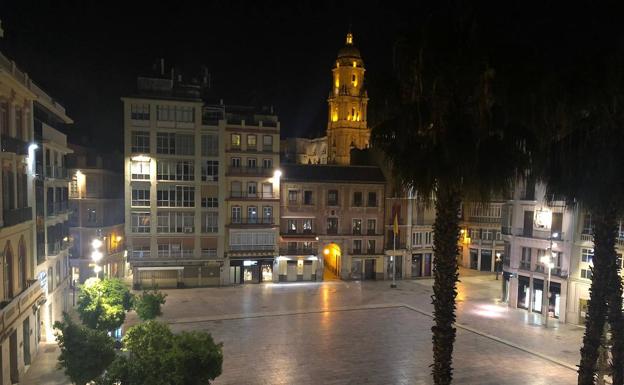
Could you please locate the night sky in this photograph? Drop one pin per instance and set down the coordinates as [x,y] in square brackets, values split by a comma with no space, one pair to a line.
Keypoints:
[87,54]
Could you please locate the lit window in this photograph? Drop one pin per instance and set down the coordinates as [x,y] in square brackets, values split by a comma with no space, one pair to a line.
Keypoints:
[236,140]
[251,141]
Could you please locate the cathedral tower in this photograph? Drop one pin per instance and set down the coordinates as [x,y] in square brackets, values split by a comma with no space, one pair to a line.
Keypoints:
[346,123]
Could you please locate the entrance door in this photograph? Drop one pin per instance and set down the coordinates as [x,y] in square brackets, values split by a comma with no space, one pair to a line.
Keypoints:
[486,260]
[26,340]
[307,270]
[13,357]
[416,265]
[399,266]
[427,265]
[369,269]
[291,271]
[474,259]
[235,274]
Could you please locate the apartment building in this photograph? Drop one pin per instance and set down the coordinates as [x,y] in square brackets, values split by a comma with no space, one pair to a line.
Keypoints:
[174,188]
[96,212]
[52,214]
[253,198]
[481,244]
[21,294]
[536,232]
[332,217]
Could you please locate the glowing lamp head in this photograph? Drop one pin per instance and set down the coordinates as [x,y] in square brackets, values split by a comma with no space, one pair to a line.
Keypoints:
[555,235]
[33,147]
[96,243]
[545,260]
[326,251]
[97,269]
[277,174]
[119,238]
[96,256]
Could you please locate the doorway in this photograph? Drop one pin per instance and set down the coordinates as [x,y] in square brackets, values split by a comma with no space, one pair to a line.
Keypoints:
[369,269]
[486,260]
[26,340]
[235,274]
[416,265]
[13,357]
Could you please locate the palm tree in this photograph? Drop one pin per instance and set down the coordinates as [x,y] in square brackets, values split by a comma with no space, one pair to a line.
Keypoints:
[452,138]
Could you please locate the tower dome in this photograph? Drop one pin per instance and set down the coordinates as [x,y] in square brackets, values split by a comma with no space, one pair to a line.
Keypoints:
[349,50]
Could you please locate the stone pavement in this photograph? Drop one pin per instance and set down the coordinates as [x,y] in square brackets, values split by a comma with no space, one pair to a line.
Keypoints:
[364,332]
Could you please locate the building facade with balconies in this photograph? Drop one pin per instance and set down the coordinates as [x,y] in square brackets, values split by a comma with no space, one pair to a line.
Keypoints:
[52,213]
[96,212]
[481,244]
[536,232]
[252,202]
[174,190]
[332,218]
[21,294]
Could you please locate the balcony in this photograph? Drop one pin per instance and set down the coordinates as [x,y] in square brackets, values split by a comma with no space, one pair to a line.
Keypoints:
[176,253]
[399,245]
[253,195]
[619,241]
[209,253]
[54,248]
[16,216]
[294,234]
[254,221]
[251,247]
[56,208]
[249,171]
[536,234]
[298,251]
[10,144]
[10,311]
[55,172]
[525,266]
[492,220]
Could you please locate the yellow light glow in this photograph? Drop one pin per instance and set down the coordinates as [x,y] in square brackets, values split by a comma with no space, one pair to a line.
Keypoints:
[349,38]
[141,158]
[354,64]
[119,238]
[335,117]
[326,251]
[337,83]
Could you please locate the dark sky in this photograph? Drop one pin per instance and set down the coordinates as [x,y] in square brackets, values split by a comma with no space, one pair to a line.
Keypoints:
[87,54]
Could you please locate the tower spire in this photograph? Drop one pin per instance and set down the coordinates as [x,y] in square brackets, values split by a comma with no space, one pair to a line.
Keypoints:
[349,36]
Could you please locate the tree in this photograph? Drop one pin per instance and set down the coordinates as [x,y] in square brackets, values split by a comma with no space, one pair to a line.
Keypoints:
[102,304]
[148,304]
[85,353]
[453,137]
[156,356]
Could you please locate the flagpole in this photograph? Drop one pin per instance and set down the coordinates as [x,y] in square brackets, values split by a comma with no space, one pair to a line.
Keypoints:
[395,232]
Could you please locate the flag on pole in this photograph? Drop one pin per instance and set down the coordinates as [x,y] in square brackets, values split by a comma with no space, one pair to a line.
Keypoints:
[395,225]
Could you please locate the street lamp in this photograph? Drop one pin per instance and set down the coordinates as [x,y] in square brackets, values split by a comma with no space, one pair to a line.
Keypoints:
[96,255]
[548,263]
[498,261]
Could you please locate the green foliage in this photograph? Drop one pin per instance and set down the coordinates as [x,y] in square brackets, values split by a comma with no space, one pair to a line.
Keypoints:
[148,305]
[102,304]
[156,356]
[85,353]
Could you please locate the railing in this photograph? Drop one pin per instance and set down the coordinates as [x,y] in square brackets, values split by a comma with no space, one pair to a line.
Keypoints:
[56,172]
[16,216]
[619,242]
[267,148]
[506,230]
[537,234]
[54,248]
[476,219]
[356,232]
[255,171]
[251,247]
[251,221]
[55,208]
[209,253]
[298,251]
[525,266]
[176,254]
[256,195]
[139,254]
[332,231]
[10,144]
[21,303]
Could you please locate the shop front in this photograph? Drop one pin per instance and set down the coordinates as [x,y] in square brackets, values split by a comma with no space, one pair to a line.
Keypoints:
[256,270]
[421,265]
[298,269]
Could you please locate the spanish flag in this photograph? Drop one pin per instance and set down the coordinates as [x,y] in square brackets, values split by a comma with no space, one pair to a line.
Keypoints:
[395,225]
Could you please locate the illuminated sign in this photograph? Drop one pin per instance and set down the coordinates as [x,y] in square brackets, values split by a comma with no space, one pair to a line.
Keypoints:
[250,263]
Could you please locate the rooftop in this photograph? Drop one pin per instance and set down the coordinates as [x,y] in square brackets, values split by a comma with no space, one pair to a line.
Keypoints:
[331,173]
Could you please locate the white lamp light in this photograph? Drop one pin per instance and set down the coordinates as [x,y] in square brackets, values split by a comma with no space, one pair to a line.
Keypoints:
[277,173]
[96,243]
[96,256]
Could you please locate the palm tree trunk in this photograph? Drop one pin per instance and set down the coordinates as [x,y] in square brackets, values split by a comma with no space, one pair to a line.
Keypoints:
[604,241]
[446,236]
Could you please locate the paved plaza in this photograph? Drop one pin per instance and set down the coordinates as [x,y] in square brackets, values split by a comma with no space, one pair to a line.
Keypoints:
[338,332]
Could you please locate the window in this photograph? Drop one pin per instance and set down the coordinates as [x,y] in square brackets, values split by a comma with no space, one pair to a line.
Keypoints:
[175,222]
[50,280]
[210,145]
[292,196]
[209,202]
[586,273]
[247,240]
[267,214]
[175,196]
[332,225]
[175,170]
[588,227]
[236,162]
[252,214]
[417,238]
[19,129]
[140,141]
[141,196]
[267,143]
[140,111]
[267,163]
[236,214]
[587,255]
[210,222]
[292,226]
[372,199]
[236,140]
[357,227]
[251,163]
[140,222]
[371,226]
[371,246]
[140,170]
[210,170]
[307,226]
[428,238]
[252,189]
[175,113]
[236,189]
[525,259]
[487,235]
[4,118]
[357,246]
[357,199]
[185,114]
[165,143]
[91,217]
[185,144]
[307,197]
[175,144]
[621,229]
[332,197]
[251,142]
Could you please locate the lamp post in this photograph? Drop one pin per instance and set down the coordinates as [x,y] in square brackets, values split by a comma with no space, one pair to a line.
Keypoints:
[498,261]
[548,263]
[96,255]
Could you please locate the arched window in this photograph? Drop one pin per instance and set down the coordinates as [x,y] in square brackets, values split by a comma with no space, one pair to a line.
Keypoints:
[21,264]
[7,270]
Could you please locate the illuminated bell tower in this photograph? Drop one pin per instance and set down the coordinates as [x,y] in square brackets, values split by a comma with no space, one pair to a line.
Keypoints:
[346,127]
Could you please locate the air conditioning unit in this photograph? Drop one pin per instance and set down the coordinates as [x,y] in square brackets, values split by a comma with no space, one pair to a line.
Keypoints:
[188,229]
